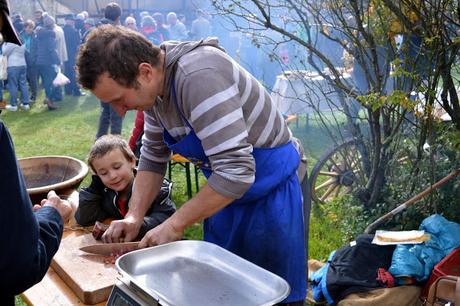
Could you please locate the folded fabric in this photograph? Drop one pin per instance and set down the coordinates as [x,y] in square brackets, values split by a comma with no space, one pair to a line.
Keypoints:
[352,268]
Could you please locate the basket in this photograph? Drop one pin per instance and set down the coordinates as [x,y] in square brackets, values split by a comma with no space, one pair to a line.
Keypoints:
[449,265]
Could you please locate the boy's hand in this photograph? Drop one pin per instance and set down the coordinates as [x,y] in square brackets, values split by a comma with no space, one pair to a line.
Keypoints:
[122,230]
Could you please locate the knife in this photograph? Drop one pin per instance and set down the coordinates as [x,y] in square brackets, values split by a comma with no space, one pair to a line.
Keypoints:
[107,249]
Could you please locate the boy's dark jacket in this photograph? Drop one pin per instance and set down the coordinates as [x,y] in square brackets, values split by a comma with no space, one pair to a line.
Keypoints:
[97,203]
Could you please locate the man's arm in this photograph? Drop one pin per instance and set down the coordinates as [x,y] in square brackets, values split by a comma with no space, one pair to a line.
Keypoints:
[28,240]
[146,187]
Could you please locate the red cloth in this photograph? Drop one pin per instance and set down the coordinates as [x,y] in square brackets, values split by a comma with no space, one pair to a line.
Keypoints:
[138,128]
[385,278]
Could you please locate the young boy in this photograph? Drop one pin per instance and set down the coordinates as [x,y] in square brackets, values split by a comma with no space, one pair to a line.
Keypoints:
[108,195]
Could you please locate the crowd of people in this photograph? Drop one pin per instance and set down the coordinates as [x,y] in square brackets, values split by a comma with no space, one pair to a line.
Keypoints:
[49,47]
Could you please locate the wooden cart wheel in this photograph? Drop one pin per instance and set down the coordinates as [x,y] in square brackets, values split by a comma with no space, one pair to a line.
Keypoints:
[337,172]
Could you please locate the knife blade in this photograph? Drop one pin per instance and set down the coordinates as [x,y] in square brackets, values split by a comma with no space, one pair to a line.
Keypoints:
[107,249]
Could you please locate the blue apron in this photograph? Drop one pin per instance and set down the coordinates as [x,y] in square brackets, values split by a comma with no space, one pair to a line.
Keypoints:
[265,226]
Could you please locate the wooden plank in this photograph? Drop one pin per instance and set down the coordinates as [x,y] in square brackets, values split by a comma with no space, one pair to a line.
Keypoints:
[52,291]
[89,277]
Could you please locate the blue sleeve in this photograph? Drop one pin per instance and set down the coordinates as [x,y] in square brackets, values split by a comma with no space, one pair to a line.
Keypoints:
[28,240]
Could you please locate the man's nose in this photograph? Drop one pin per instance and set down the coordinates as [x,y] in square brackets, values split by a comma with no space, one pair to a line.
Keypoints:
[119,109]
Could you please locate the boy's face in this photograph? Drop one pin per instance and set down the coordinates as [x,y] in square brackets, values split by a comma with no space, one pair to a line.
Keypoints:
[115,171]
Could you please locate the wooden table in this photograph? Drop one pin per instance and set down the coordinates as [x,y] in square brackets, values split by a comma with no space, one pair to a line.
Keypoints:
[52,290]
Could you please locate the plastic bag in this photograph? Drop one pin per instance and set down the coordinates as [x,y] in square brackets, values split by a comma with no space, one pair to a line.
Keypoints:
[3,67]
[60,79]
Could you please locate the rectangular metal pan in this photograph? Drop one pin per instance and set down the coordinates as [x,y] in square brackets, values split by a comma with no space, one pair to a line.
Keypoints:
[193,272]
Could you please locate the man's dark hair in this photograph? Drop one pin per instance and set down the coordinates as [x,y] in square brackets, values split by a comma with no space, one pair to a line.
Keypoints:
[112,11]
[116,50]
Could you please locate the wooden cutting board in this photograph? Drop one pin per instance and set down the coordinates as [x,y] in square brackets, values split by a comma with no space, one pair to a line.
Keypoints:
[90,278]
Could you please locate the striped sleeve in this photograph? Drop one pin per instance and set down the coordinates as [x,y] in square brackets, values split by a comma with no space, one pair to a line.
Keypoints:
[154,152]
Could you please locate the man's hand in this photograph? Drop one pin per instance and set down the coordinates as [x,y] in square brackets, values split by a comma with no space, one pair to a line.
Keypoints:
[62,206]
[161,234]
[122,230]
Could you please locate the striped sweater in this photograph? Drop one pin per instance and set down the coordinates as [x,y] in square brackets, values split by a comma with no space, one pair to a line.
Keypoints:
[229,110]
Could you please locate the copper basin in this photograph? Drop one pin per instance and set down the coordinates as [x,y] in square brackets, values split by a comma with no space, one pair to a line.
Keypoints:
[45,173]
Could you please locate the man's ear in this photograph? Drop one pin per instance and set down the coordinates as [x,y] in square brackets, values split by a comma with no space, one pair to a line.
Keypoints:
[145,71]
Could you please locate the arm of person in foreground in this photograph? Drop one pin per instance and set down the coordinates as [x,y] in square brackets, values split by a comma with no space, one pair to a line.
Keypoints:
[28,240]
[204,204]
[147,184]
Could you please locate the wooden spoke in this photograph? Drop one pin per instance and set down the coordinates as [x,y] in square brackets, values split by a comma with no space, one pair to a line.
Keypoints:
[326,184]
[328,192]
[328,173]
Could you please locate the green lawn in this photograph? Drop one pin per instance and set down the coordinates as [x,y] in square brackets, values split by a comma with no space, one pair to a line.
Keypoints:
[71,130]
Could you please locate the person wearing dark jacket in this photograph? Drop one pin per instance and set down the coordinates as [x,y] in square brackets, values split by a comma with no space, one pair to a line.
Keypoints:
[28,38]
[30,237]
[72,42]
[160,20]
[45,56]
[109,117]
[110,190]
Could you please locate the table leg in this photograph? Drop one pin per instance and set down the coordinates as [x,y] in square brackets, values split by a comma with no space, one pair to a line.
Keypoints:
[189,180]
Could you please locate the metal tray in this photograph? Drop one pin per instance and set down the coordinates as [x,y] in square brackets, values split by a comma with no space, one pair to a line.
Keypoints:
[190,272]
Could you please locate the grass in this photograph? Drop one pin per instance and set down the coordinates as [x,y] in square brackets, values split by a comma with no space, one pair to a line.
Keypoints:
[71,131]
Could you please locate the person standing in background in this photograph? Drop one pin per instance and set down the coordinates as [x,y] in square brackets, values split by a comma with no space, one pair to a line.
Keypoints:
[27,38]
[63,57]
[44,55]
[109,117]
[201,27]
[160,20]
[17,75]
[130,22]
[38,16]
[88,25]
[18,22]
[72,41]
[177,30]
[149,29]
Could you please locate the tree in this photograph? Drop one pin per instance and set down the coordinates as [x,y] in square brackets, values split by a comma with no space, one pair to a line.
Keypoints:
[384,73]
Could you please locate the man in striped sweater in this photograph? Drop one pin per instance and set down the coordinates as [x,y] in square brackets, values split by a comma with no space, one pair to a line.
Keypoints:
[201,104]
